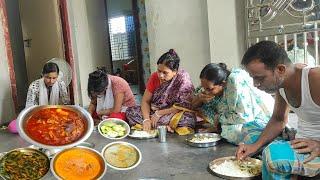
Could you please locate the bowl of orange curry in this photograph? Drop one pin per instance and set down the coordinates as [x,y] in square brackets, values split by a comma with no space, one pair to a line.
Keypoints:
[55,126]
[79,163]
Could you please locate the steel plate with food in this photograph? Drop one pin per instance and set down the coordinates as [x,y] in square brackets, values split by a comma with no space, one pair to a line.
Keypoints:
[203,139]
[24,163]
[140,134]
[55,126]
[78,163]
[231,168]
[121,155]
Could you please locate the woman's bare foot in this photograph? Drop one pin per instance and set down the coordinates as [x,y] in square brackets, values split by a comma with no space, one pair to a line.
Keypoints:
[207,130]
[170,129]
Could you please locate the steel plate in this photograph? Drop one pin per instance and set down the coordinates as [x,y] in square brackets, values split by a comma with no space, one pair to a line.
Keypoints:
[221,160]
[206,144]
[154,134]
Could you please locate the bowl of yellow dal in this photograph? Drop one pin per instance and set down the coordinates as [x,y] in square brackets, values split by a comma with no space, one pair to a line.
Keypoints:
[121,155]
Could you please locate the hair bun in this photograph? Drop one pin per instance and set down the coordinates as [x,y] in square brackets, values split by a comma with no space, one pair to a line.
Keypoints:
[172,52]
[102,69]
[223,66]
[101,72]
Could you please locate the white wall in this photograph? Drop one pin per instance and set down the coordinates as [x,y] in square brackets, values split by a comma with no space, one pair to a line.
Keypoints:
[227,31]
[183,26]
[89,41]
[119,7]
[6,103]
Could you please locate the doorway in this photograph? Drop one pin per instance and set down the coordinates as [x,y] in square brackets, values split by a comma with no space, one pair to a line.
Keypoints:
[125,42]
[36,35]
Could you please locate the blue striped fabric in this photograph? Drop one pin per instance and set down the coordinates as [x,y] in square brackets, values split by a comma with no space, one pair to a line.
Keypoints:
[280,161]
[251,131]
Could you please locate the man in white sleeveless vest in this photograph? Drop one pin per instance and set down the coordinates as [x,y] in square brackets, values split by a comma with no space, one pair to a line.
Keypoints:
[296,87]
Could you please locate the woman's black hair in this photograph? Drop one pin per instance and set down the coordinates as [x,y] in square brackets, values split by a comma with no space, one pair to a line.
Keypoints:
[170,59]
[97,81]
[215,73]
[50,67]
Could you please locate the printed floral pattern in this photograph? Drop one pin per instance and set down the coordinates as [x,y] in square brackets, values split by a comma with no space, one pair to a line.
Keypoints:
[240,104]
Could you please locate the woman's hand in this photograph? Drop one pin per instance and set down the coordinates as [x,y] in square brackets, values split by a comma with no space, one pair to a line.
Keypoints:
[154,119]
[92,106]
[103,112]
[146,125]
[306,146]
[206,130]
[213,128]
[100,113]
[216,124]
[204,98]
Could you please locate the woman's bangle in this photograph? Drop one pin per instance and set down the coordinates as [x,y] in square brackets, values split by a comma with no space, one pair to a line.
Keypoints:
[145,120]
[156,113]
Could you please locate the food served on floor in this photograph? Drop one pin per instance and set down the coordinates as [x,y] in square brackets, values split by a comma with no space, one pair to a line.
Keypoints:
[204,139]
[121,155]
[78,163]
[55,126]
[143,134]
[235,168]
[24,164]
[112,129]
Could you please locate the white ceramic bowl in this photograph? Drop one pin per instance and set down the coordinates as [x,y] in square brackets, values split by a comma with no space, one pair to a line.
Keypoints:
[114,144]
[116,121]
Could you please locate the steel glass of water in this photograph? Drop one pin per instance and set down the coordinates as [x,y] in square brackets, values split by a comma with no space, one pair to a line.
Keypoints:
[162,133]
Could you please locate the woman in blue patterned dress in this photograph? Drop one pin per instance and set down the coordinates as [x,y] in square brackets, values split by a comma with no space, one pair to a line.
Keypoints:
[228,98]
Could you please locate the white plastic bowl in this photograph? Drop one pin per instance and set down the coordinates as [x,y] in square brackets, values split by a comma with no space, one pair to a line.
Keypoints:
[122,143]
[117,121]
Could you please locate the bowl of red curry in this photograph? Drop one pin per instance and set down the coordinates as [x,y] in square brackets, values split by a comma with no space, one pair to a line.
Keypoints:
[55,126]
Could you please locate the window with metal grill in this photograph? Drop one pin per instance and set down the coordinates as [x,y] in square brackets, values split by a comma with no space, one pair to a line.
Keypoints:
[122,37]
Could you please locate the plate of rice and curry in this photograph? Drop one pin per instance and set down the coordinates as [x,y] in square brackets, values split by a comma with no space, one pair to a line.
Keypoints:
[137,132]
[140,134]
[231,168]
[203,139]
